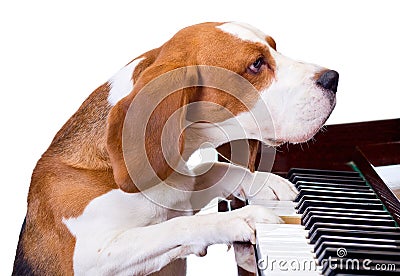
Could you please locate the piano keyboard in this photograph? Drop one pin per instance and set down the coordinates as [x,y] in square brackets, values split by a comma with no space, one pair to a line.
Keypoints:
[345,229]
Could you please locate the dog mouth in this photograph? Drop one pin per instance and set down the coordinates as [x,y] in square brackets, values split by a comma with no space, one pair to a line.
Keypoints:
[275,142]
[280,142]
[303,136]
[298,139]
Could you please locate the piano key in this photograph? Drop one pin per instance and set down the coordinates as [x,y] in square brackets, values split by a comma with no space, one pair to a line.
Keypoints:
[334,204]
[358,240]
[322,172]
[342,210]
[339,209]
[282,243]
[349,220]
[346,233]
[307,215]
[284,209]
[280,204]
[359,254]
[313,192]
[343,181]
[278,230]
[329,186]
[346,227]
[280,208]
[332,201]
[340,199]
[284,272]
[378,249]
[347,266]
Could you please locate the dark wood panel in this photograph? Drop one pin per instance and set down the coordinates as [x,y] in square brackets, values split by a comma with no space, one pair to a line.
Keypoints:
[382,154]
[334,147]
[362,163]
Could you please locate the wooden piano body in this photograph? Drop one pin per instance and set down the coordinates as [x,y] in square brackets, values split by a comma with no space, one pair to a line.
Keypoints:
[360,146]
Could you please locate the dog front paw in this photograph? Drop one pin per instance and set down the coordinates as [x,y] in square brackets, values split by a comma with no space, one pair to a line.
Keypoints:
[269,186]
[244,256]
[239,225]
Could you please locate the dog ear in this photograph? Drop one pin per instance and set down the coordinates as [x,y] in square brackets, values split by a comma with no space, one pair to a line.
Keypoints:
[271,42]
[151,115]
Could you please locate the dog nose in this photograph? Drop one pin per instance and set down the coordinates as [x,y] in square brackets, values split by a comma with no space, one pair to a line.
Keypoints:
[329,80]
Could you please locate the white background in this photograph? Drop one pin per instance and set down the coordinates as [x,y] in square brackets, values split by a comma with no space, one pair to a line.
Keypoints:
[54,53]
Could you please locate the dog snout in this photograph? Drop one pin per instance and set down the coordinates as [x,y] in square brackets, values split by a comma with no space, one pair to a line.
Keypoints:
[329,80]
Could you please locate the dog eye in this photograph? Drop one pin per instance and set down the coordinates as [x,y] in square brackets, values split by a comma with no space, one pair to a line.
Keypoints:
[257,65]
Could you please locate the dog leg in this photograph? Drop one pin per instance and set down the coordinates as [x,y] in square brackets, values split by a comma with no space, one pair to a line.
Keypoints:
[230,178]
[224,179]
[143,250]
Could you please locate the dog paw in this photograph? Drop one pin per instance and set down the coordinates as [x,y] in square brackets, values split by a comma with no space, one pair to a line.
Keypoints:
[199,250]
[240,224]
[244,256]
[272,187]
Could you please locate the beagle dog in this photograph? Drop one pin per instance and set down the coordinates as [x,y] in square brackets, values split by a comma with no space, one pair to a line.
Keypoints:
[112,195]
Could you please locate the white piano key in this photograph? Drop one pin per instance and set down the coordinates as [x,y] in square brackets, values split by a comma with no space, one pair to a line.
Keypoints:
[273,203]
[276,255]
[280,208]
[281,229]
[277,235]
[284,252]
[284,249]
[289,264]
[297,273]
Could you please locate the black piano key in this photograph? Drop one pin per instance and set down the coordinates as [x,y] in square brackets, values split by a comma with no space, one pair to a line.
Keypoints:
[340,209]
[328,180]
[356,240]
[322,172]
[344,198]
[347,227]
[306,218]
[351,233]
[373,254]
[394,206]
[343,211]
[355,267]
[329,186]
[342,181]
[334,204]
[313,192]
[364,201]
[382,214]
[349,220]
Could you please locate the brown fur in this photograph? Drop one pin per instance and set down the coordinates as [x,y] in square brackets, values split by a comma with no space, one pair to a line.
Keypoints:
[271,42]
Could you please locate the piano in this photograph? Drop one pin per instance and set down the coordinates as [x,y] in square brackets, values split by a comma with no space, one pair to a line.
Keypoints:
[345,220]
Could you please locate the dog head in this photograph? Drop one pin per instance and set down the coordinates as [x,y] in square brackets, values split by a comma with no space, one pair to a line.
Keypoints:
[215,81]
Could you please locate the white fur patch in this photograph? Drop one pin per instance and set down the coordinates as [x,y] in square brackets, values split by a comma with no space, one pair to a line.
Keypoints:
[122,83]
[106,215]
[244,31]
[111,214]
